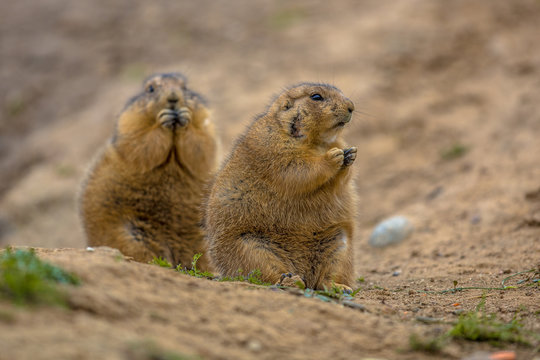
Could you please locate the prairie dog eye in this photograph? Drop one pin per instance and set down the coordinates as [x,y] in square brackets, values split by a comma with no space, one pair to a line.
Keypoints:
[150,89]
[316,97]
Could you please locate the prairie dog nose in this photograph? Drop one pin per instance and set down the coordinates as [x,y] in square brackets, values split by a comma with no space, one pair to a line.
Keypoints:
[350,105]
[172,98]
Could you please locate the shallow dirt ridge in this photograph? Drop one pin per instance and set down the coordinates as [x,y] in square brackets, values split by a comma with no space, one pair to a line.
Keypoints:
[447,126]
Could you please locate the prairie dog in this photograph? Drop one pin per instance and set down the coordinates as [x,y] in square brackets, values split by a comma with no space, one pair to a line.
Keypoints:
[283,202]
[143,193]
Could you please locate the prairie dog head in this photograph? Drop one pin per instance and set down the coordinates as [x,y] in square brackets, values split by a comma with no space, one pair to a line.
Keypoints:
[165,102]
[313,112]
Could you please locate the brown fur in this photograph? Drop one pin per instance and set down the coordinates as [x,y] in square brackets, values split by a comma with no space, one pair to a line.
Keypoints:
[143,194]
[283,202]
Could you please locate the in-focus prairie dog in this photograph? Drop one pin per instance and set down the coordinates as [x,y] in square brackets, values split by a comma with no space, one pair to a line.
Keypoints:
[283,202]
[144,191]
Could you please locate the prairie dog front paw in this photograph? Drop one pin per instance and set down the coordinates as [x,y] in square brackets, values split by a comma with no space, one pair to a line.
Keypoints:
[291,280]
[349,156]
[336,157]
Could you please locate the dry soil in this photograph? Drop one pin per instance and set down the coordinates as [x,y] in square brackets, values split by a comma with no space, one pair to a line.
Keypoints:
[448,131]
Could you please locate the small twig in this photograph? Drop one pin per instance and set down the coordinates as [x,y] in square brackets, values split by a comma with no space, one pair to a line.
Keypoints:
[477,296]
[516,274]
[456,289]
[503,286]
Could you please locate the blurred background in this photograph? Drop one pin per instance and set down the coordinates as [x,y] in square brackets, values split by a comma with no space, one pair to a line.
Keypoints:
[447,96]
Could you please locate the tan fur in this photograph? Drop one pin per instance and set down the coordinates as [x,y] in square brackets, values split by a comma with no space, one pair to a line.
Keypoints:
[143,193]
[283,202]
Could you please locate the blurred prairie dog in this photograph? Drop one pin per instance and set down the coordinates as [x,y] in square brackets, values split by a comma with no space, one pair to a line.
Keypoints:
[143,193]
[283,202]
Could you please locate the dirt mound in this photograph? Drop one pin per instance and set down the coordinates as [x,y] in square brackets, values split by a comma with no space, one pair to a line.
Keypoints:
[126,310]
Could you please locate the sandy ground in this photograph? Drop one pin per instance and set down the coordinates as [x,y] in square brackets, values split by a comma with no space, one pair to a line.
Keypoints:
[426,77]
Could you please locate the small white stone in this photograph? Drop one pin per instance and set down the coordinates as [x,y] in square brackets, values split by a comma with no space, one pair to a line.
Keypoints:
[254,345]
[391,231]
[90,249]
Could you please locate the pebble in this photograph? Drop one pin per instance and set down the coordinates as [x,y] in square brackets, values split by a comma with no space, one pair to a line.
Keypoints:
[498,355]
[476,219]
[429,320]
[391,231]
[354,305]
[254,345]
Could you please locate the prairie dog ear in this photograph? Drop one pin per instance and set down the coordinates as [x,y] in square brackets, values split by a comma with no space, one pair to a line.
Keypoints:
[296,126]
[287,104]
